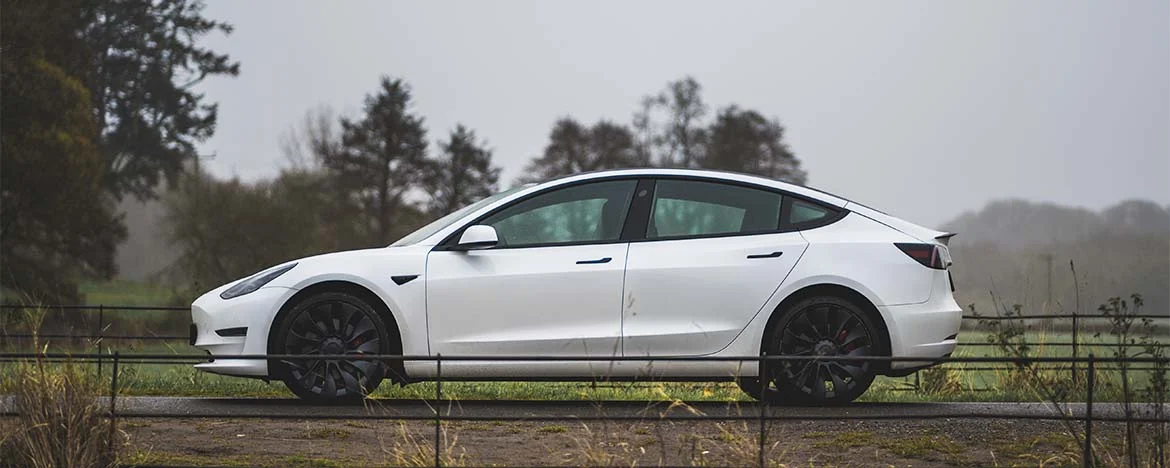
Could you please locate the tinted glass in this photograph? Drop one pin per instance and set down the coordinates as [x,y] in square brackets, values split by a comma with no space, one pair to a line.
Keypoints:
[803,212]
[693,208]
[585,213]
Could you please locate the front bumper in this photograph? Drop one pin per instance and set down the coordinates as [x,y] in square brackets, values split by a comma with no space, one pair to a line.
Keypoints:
[253,312]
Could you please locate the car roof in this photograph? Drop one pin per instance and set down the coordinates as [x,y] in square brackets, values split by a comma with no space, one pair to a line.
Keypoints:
[529,189]
[702,173]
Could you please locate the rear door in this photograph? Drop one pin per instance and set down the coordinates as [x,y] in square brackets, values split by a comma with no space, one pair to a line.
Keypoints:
[713,255]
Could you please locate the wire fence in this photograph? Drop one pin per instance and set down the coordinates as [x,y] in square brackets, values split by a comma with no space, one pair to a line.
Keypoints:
[763,413]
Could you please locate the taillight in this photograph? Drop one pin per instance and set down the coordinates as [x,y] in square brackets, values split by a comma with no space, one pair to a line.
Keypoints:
[929,255]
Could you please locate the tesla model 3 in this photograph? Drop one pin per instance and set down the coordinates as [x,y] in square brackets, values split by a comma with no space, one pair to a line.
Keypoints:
[635,263]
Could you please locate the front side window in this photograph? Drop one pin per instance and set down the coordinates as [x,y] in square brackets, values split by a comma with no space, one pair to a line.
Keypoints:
[684,208]
[593,212]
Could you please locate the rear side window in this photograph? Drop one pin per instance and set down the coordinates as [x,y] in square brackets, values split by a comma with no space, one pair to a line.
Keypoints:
[805,212]
[683,208]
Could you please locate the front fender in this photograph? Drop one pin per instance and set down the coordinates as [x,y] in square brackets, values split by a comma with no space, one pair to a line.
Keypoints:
[373,269]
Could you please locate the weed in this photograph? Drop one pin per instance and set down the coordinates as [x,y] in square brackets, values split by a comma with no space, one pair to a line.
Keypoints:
[408,449]
[60,422]
[552,429]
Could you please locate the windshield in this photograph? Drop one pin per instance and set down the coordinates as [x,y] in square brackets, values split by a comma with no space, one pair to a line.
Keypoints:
[438,224]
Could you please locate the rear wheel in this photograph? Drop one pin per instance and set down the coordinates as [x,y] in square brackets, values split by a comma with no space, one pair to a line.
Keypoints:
[332,323]
[823,326]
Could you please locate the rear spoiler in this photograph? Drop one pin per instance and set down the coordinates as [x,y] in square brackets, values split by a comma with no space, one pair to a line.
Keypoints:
[945,238]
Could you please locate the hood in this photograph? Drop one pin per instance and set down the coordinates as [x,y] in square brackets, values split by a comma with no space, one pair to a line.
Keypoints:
[921,233]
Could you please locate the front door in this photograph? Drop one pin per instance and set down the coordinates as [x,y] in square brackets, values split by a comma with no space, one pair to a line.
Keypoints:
[552,287]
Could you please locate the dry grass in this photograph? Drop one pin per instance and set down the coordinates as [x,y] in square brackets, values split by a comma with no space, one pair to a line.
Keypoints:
[60,423]
[409,449]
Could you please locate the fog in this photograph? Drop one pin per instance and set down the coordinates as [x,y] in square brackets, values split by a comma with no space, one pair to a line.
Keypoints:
[922,109]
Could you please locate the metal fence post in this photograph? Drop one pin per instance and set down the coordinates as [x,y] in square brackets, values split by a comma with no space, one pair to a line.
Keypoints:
[113,404]
[98,333]
[1075,345]
[1088,455]
[438,397]
[764,382]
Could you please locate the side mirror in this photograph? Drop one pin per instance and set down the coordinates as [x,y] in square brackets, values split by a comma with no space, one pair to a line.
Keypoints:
[478,237]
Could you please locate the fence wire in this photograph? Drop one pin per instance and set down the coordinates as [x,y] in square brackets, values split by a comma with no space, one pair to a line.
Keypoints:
[764,412]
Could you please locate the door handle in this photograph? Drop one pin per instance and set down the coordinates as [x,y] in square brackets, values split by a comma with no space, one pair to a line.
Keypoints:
[591,262]
[770,255]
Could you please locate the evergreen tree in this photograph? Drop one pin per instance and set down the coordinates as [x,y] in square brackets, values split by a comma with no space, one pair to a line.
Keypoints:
[462,174]
[381,157]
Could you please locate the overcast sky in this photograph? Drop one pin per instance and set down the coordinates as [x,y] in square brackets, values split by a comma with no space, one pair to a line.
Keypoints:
[923,109]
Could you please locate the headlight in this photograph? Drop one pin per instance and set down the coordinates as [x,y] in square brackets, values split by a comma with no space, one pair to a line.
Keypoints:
[255,282]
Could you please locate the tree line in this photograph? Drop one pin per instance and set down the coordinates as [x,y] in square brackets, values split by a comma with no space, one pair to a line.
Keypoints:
[100,105]
[365,181]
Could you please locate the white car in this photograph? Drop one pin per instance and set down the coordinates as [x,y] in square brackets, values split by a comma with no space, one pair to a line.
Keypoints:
[632,263]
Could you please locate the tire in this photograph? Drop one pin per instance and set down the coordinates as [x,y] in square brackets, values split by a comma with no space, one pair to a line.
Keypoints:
[332,323]
[818,326]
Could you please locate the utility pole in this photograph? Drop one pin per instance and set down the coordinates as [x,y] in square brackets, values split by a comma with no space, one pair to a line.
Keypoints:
[1048,262]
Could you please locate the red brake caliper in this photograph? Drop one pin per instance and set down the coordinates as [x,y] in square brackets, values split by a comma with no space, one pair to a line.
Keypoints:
[841,339]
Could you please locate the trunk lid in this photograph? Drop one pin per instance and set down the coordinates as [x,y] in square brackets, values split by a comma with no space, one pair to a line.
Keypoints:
[921,233]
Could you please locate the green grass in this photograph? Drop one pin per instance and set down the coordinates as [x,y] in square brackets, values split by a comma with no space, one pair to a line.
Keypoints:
[128,293]
[183,380]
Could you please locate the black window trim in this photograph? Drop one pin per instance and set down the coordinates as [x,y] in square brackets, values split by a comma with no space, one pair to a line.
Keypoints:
[638,213]
[836,213]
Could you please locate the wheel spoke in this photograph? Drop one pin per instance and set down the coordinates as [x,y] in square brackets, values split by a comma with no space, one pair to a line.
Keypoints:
[839,385]
[335,318]
[351,382]
[853,370]
[367,347]
[843,326]
[347,323]
[815,382]
[330,388]
[799,336]
[316,320]
[854,336]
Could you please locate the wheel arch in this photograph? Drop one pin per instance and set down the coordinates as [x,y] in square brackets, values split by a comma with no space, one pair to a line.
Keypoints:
[835,290]
[397,371]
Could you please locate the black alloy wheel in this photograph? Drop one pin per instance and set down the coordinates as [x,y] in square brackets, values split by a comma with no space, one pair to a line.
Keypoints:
[819,327]
[332,324]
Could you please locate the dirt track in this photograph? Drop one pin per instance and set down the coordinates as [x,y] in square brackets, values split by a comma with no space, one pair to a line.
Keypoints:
[573,443]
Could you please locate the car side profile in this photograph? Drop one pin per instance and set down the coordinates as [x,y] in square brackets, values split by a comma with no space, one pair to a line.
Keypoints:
[631,263]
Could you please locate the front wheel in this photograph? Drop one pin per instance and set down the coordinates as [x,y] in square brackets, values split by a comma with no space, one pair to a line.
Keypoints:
[821,327]
[332,324]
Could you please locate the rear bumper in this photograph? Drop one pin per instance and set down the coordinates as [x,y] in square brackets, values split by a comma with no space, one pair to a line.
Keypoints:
[928,330]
